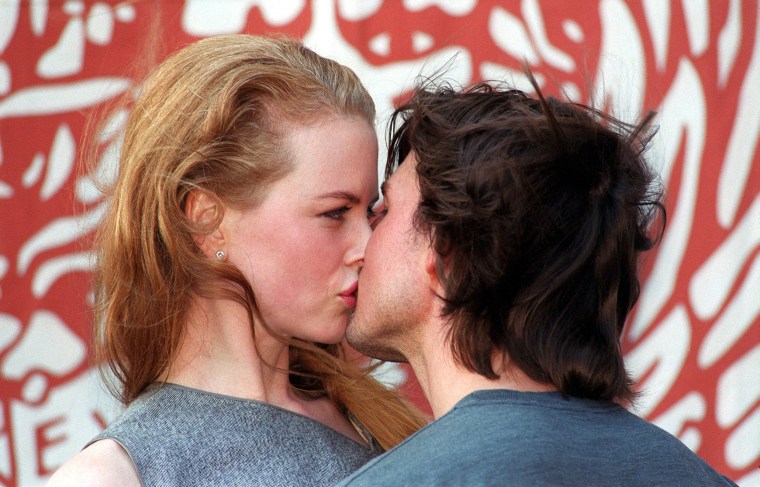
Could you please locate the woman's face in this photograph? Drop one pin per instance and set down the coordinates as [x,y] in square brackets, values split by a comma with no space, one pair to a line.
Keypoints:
[302,247]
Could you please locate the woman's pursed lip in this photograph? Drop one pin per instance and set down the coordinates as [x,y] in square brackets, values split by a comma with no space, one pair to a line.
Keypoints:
[350,289]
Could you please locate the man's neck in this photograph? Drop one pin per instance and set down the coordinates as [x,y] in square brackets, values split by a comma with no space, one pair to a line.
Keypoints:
[445,382]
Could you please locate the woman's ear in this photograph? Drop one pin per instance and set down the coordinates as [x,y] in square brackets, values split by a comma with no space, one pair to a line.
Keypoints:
[204,211]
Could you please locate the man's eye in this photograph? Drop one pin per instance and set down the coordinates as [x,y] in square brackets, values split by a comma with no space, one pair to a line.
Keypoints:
[336,214]
[376,214]
[376,209]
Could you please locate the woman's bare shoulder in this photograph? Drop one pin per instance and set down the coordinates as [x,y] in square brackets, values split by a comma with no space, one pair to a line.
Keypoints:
[104,462]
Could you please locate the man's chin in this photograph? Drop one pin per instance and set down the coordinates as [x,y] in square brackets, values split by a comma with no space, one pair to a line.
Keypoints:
[372,348]
[385,355]
[377,353]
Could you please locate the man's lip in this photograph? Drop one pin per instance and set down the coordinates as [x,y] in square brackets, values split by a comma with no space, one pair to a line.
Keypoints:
[350,289]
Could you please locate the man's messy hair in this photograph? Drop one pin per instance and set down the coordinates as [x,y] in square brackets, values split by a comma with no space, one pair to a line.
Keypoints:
[537,210]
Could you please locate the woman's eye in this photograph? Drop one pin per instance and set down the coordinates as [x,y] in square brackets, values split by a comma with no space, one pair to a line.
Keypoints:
[337,213]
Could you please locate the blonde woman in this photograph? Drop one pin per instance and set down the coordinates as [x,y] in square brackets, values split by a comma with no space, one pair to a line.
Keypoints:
[227,271]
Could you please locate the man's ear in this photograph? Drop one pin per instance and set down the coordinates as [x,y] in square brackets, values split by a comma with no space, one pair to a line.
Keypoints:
[432,264]
[204,211]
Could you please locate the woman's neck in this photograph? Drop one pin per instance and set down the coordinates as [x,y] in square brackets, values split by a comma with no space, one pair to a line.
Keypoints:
[217,354]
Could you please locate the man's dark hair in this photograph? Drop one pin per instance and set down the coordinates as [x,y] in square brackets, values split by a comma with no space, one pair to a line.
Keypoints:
[537,210]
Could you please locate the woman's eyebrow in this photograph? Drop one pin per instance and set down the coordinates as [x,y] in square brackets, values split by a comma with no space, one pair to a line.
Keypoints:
[341,195]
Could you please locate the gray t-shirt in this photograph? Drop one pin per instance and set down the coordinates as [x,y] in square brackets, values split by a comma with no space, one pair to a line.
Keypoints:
[502,437]
[177,436]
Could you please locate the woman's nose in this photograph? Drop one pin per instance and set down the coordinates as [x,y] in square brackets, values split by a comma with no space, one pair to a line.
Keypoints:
[359,240]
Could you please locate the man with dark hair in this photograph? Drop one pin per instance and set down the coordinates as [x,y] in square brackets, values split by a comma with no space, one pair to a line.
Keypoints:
[502,268]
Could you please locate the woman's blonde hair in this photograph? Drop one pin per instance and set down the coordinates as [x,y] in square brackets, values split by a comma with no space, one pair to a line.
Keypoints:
[213,118]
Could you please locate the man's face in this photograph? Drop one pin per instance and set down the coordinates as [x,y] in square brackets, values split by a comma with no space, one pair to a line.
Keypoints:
[393,284]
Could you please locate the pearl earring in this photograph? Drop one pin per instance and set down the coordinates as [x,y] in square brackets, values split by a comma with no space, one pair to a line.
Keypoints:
[220,255]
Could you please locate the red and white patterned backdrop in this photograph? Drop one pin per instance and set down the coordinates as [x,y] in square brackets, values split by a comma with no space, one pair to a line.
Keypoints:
[693,342]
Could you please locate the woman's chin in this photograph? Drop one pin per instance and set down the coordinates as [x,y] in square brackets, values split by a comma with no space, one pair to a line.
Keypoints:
[326,337]
[333,338]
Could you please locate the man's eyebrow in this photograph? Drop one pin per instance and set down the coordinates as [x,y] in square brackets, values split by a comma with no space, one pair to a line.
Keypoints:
[339,195]
[384,188]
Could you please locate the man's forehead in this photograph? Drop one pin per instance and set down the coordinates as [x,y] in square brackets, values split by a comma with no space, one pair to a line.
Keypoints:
[388,184]
[406,168]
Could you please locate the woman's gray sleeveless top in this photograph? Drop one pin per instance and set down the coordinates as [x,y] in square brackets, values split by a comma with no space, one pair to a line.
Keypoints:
[181,436]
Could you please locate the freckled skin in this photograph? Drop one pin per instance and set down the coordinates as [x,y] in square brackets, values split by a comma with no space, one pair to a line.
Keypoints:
[300,249]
